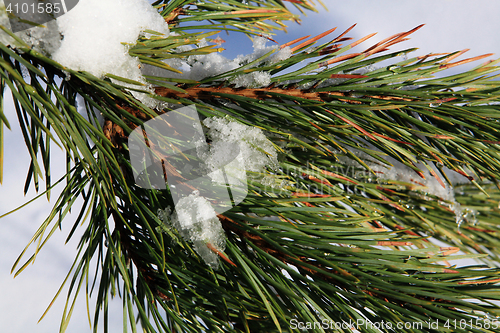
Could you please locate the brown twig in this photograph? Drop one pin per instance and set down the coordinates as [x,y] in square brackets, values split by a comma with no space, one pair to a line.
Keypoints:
[204,93]
[172,16]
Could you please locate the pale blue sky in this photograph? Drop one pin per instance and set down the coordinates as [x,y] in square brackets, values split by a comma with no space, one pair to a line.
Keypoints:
[450,25]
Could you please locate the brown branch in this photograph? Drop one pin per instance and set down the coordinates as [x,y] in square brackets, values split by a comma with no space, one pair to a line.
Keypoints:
[117,136]
[254,93]
[172,16]
[262,94]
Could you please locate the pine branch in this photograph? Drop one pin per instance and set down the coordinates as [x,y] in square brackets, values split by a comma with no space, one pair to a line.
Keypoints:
[326,237]
[305,263]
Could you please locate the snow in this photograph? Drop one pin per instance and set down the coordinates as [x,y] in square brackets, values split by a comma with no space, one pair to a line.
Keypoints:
[40,39]
[281,55]
[432,186]
[256,152]
[199,67]
[196,221]
[93,35]
[235,149]
[403,173]
[253,80]
[425,187]
[44,40]
[259,50]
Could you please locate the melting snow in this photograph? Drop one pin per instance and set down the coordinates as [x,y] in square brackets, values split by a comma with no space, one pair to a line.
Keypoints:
[194,216]
[197,222]
[92,37]
[198,67]
[256,151]
[93,33]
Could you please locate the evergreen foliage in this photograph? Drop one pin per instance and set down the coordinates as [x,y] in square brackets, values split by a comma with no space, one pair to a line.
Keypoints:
[326,238]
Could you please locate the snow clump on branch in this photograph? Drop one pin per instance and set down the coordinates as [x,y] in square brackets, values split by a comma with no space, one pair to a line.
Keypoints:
[195,217]
[94,33]
[198,67]
[196,221]
[256,151]
[93,37]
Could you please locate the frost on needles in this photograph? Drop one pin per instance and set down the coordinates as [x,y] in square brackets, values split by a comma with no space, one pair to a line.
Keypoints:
[194,217]
[95,37]
[196,221]
[198,67]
